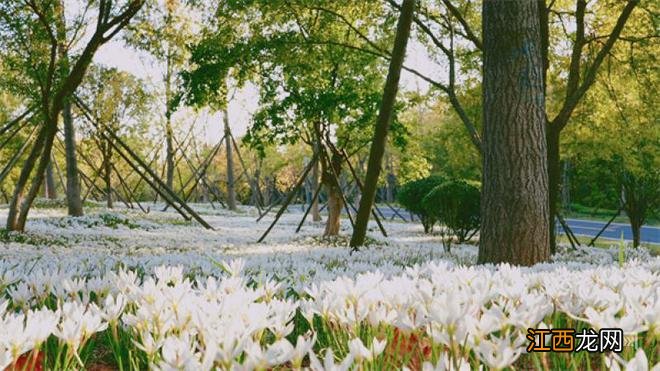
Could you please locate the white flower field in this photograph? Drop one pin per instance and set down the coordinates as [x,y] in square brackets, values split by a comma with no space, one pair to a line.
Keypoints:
[124,290]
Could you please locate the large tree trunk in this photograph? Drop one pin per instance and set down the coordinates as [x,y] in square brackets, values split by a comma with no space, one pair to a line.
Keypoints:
[514,207]
[50,190]
[73,199]
[231,186]
[335,200]
[554,173]
[383,123]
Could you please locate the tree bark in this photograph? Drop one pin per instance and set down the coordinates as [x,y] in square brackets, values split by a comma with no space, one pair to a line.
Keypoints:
[107,172]
[73,199]
[514,207]
[554,173]
[316,212]
[39,157]
[52,104]
[383,123]
[50,190]
[231,187]
[636,232]
[335,201]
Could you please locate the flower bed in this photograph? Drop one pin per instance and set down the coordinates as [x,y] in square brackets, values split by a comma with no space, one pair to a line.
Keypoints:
[230,304]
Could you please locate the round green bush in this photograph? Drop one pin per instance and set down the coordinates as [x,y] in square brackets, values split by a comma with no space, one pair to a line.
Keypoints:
[411,196]
[455,204]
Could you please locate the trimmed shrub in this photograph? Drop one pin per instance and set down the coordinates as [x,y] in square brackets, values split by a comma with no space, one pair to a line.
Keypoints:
[455,205]
[411,196]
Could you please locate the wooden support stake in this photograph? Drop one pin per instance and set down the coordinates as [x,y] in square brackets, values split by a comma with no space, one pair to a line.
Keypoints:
[290,196]
[158,184]
[240,159]
[316,194]
[591,243]
[13,122]
[5,171]
[359,186]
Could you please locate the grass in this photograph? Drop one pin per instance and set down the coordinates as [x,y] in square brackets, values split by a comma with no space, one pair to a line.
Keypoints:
[604,243]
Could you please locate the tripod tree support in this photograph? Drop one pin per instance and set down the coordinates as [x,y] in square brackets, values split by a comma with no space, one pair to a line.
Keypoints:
[131,159]
[591,243]
[569,233]
[289,197]
[316,195]
[359,184]
[12,162]
[15,121]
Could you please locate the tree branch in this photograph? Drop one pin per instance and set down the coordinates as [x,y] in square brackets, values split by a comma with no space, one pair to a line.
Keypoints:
[573,98]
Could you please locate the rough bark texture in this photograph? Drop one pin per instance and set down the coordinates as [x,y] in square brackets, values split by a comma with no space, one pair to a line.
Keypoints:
[231,186]
[554,170]
[335,201]
[383,123]
[514,207]
[49,185]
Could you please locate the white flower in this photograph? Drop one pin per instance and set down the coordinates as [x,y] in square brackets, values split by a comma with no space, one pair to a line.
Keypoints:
[279,352]
[639,362]
[329,362]
[112,308]
[360,352]
[5,357]
[445,363]
[498,352]
[303,347]
[178,355]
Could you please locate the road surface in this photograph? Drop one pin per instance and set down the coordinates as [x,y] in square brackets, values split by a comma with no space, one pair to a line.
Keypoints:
[580,227]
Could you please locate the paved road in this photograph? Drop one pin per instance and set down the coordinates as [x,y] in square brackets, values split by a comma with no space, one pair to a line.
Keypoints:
[580,227]
[591,228]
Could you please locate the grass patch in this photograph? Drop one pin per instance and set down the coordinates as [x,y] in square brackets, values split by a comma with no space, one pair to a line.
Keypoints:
[604,243]
[7,236]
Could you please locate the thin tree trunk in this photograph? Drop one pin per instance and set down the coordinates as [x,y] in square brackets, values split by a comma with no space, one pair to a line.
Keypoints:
[231,187]
[335,205]
[383,123]
[39,157]
[18,197]
[74,201]
[514,207]
[107,173]
[50,190]
[316,213]
[636,227]
[332,188]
